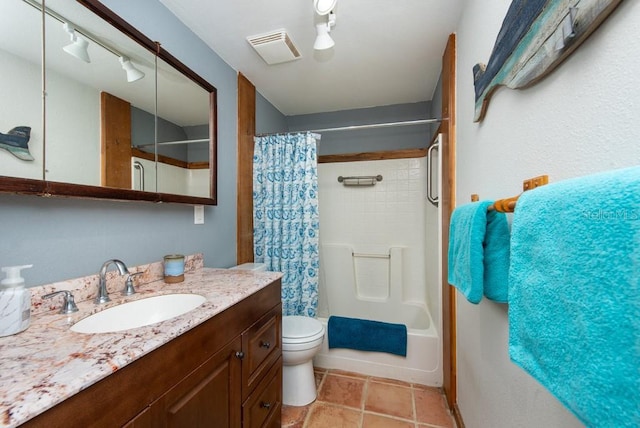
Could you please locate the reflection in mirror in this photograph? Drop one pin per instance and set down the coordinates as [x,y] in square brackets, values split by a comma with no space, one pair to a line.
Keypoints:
[97,133]
[182,135]
[21,118]
[84,60]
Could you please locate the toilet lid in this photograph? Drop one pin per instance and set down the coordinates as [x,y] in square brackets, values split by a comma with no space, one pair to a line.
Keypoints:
[296,327]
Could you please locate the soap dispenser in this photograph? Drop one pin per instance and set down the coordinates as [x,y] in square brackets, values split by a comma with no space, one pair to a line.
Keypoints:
[15,302]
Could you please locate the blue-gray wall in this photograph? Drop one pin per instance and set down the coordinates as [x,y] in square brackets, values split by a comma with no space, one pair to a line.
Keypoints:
[436,106]
[197,152]
[143,132]
[268,118]
[356,141]
[69,238]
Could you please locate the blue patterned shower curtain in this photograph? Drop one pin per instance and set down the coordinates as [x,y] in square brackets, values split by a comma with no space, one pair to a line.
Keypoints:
[286,218]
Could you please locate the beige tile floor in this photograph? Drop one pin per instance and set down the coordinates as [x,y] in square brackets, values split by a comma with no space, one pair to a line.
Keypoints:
[348,400]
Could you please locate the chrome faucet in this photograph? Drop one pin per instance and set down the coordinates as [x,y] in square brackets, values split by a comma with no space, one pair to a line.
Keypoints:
[103,295]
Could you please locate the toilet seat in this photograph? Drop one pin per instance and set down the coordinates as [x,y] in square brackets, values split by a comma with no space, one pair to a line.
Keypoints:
[298,329]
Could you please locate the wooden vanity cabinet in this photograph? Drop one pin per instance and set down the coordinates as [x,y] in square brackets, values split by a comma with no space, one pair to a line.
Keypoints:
[226,372]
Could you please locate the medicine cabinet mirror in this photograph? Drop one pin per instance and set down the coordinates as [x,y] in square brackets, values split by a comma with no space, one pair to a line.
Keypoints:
[120,118]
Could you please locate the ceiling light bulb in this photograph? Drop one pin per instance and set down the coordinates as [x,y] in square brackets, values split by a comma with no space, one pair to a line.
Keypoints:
[323,39]
[133,73]
[78,47]
[323,7]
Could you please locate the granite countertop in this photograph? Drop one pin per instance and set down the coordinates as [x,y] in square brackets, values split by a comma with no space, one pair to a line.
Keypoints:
[48,363]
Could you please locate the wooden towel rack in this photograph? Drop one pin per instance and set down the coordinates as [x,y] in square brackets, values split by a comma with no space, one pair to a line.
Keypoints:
[508,205]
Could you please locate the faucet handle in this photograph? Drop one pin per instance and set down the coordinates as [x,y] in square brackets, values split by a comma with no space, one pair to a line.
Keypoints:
[69,305]
[129,289]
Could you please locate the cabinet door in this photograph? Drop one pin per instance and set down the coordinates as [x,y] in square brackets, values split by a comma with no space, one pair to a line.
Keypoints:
[209,397]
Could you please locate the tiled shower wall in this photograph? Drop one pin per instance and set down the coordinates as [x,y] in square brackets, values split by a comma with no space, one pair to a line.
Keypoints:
[373,219]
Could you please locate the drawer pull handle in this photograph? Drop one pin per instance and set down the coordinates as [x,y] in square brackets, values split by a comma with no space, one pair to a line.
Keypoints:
[265,405]
[240,355]
[266,345]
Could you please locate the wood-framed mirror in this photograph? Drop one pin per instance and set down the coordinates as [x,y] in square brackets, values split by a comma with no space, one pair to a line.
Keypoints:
[101,132]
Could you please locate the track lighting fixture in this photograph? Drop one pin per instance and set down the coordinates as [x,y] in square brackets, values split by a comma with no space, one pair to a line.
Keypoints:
[78,46]
[323,39]
[133,73]
[80,39]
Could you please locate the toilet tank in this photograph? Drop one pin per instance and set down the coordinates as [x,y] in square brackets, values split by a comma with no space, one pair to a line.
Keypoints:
[256,267]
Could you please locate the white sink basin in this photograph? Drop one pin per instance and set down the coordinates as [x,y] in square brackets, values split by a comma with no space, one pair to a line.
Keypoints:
[138,313]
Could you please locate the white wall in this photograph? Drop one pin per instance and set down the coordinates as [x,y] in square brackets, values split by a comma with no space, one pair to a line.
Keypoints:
[172,179]
[22,106]
[73,123]
[581,119]
[198,182]
[73,131]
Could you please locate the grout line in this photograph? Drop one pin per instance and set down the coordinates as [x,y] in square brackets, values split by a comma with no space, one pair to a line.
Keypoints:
[363,399]
[414,406]
[386,415]
[365,394]
[392,382]
[307,416]
[350,375]
[319,387]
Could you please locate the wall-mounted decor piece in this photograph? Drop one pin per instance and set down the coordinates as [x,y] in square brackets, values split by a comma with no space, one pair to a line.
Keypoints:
[535,37]
[16,142]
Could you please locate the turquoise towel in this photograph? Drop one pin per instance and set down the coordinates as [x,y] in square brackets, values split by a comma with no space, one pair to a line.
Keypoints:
[497,246]
[367,335]
[479,243]
[574,294]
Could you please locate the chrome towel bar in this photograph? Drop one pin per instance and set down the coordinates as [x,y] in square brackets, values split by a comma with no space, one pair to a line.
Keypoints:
[372,256]
[362,180]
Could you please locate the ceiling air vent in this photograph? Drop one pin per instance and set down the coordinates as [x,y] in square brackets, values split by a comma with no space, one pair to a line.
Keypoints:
[274,47]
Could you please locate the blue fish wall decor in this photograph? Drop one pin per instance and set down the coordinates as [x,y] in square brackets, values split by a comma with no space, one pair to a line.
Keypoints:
[536,36]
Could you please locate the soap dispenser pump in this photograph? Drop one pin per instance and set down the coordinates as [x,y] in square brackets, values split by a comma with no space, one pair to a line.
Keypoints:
[15,302]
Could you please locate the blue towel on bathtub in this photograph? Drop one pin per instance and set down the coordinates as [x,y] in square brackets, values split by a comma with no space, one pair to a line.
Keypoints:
[366,335]
[479,242]
[574,294]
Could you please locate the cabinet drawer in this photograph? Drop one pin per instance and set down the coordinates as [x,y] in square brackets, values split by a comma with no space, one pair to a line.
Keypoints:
[264,405]
[261,344]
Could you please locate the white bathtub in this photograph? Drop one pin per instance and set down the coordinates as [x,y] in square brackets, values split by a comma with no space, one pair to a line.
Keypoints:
[422,364]
[374,265]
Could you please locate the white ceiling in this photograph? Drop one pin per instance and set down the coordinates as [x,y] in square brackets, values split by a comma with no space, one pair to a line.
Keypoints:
[386,52]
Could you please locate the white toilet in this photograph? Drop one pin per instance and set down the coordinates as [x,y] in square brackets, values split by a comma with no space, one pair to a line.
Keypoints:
[301,340]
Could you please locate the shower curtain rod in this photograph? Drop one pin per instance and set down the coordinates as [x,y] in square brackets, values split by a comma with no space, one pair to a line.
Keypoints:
[370,126]
[316,136]
[379,125]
